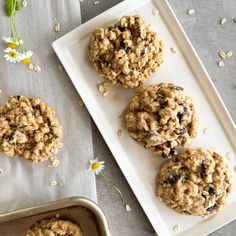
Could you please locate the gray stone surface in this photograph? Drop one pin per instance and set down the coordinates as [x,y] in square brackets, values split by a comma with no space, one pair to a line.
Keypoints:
[208,37]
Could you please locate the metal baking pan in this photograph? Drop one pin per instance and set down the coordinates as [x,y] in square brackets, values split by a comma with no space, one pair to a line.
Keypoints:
[82,211]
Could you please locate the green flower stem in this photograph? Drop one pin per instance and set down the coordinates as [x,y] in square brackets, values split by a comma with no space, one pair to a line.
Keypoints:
[112,185]
[13,26]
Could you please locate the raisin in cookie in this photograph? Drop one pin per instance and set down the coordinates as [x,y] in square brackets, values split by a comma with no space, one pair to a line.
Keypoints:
[161,117]
[29,128]
[196,182]
[127,53]
[54,227]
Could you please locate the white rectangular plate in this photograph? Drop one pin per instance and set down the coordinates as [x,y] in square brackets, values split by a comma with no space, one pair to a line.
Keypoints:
[184,68]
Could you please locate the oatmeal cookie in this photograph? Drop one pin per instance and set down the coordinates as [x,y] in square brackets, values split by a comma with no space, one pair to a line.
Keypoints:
[196,182]
[54,227]
[161,117]
[126,53]
[29,128]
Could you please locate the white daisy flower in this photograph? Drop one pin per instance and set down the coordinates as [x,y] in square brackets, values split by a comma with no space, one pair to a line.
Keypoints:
[11,55]
[25,57]
[12,43]
[96,166]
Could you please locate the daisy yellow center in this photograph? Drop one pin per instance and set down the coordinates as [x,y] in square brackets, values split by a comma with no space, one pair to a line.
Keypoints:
[26,60]
[12,54]
[95,165]
[11,45]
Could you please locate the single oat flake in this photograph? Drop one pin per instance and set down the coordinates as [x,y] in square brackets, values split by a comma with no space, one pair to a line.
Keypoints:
[57,27]
[221,63]
[55,163]
[30,66]
[128,208]
[81,103]
[191,12]
[24,3]
[37,68]
[61,67]
[229,155]
[176,227]
[57,215]
[229,54]
[53,183]
[222,54]
[96,3]
[155,11]
[223,21]
[120,133]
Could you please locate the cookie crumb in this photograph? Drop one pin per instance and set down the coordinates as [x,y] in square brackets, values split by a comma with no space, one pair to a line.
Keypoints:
[57,215]
[81,103]
[155,11]
[128,208]
[117,96]
[229,54]
[37,68]
[221,63]
[176,227]
[57,27]
[206,130]
[120,133]
[104,88]
[61,67]
[222,54]
[96,3]
[53,183]
[191,12]
[24,3]
[223,21]
[173,50]
[229,155]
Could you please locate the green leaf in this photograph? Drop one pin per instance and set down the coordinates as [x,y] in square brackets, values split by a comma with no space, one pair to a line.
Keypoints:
[9,7]
[18,6]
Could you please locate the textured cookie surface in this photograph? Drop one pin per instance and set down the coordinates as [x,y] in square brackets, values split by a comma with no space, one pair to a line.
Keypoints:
[196,182]
[161,117]
[127,53]
[29,128]
[55,227]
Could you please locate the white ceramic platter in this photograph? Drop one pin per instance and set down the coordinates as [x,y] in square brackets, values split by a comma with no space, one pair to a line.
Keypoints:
[184,68]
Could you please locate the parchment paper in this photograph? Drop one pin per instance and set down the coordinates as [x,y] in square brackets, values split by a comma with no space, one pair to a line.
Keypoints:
[23,184]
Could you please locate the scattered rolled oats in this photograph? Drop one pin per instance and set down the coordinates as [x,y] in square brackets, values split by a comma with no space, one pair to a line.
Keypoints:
[223,21]
[221,63]
[176,227]
[206,130]
[120,133]
[155,11]
[37,68]
[222,54]
[61,67]
[173,50]
[57,27]
[24,3]
[30,66]
[229,155]
[191,12]
[117,96]
[229,54]
[96,3]
[53,183]
[57,215]
[128,208]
